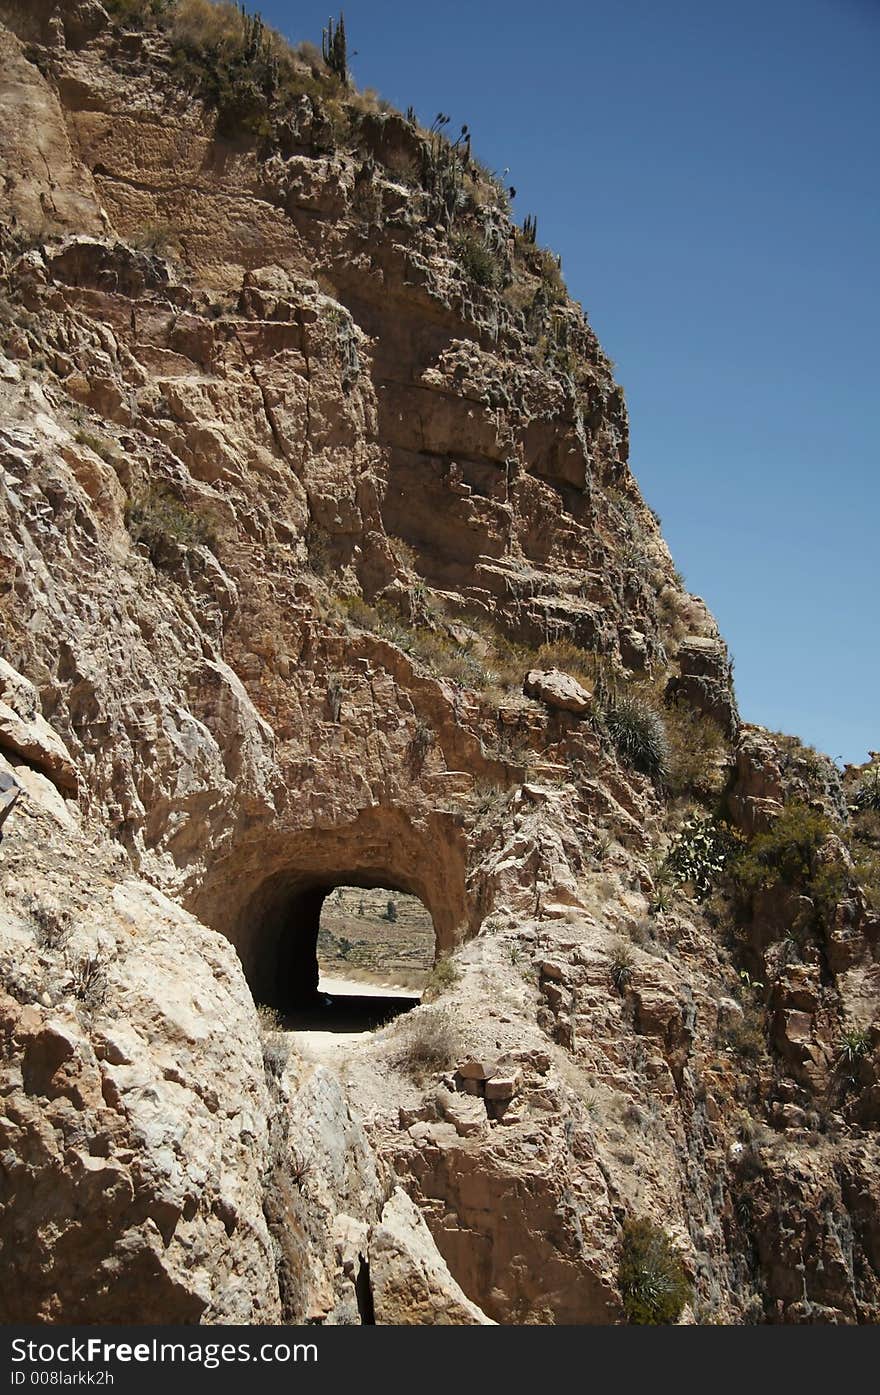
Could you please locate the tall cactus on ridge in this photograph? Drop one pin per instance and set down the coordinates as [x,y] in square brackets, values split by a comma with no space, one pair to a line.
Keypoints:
[335,48]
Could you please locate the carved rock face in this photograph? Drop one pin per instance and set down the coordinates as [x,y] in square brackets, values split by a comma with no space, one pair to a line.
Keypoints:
[289,507]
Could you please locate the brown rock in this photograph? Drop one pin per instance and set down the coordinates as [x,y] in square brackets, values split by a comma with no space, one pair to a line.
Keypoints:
[24,731]
[410,1282]
[476,1069]
[503,1087]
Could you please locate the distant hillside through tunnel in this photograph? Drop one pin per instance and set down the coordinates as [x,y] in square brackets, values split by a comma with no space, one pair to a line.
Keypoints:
[376,935]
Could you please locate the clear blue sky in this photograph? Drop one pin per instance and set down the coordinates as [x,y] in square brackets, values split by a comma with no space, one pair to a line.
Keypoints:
[709,173]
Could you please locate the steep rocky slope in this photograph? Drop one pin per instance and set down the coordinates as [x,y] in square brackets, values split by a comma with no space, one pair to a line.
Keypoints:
[322,564]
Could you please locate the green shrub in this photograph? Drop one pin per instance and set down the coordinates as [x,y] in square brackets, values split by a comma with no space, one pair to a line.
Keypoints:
[549,268]
[481,265]
[786,855]
[436,648]
[867,874]
[156,238]
[442,977]
[229,56]
[745,1035]
[699,854]
[661,898]
[697,751]
[99,444]
[137,13]
[651,1275]
[637,732]
[622,967]
[239,65]
[853,1045]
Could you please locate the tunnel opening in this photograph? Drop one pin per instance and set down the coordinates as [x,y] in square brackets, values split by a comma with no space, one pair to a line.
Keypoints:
[375,950]
[268,893]
[378,937]
[340,955]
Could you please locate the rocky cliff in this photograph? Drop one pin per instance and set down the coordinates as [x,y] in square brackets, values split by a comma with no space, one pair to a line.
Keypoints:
[322,564]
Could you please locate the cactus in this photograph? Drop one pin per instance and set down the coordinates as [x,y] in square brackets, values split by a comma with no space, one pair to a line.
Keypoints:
[442,176]
[252,35]
[444,164]
[334,47]
[530,228]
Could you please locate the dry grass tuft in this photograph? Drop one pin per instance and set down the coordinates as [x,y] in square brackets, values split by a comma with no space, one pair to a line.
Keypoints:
[429,1040]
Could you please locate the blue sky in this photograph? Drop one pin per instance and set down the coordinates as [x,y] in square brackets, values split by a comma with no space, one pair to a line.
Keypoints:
[709,173]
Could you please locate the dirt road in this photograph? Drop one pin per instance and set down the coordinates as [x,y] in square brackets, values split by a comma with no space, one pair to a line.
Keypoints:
[355,1010]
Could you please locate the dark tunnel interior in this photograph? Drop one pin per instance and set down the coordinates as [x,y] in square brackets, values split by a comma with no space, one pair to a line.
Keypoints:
[281,959]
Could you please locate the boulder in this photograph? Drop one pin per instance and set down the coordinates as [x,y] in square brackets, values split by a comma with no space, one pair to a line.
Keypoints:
[559,690]
[476,1068]
[9,792]
[503,1087]
[411,1283]
[705,681]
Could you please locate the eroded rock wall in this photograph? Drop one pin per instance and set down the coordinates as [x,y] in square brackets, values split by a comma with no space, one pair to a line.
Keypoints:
[282,487]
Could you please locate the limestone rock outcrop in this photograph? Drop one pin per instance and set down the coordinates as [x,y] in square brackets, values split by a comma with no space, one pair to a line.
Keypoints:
[307,461]
[133,1142]
[411,1284]
[558,690]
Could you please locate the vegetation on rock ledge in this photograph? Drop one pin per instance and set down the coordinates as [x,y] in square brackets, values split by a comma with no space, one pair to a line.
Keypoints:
[651,1275]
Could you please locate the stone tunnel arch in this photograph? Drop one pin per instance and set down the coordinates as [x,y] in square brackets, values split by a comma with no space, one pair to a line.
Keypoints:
[267,899]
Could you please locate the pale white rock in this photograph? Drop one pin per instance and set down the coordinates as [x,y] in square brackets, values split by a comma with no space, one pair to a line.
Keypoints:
[410,1281]
[558,689]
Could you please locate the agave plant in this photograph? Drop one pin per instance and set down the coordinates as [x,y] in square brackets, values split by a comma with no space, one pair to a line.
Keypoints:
[639,736]
[867,794]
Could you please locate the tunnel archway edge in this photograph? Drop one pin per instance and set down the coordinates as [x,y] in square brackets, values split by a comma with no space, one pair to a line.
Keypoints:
[267,897]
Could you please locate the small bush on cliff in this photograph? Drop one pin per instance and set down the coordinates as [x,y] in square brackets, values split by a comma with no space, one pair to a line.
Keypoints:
[482,265]
[269,1019]
[157,519]
[867,873]
[88,977]
[864,842]
[651,1275]
[698,750]
[867,795]
[699,854]
[430,1040]
[52,926]
[228,56]
[745,1035]
[274,1040]
[786,855]
[137,13]
[637,732]
[99,444]
[622,967]
[240,65]
[853,1046]
[443,976]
